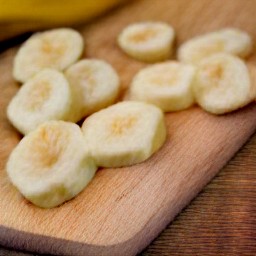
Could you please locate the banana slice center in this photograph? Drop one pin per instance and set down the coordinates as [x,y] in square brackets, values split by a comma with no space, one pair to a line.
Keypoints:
[121,125]
[164,81]
[52,51]
[214,72]
[169,77]
[48,147]
[143,35]
[39,94]
[86,77]
[211,48]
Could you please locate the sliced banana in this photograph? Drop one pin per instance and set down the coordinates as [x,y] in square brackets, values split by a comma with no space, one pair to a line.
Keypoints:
[222,84]
[147,41]
[57,48]
[44,97]
[229,40]
[124,134]
[167,85]
[51,165]
[95,85]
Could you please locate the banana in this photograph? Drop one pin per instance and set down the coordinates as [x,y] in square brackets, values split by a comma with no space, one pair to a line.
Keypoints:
[44,97]
[147,41]
[36,15]
[56,48]
[95,85]
[51,165]
[167,85]
[229,40]
[52,12]
[222,84]
[124,134]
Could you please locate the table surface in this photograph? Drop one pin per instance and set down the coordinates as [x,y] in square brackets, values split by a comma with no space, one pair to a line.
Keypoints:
[221,220]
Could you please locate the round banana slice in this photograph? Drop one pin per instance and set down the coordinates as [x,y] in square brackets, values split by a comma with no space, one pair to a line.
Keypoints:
[222,84]
[124,134]
[95,85]
[57,48]
[167,85]
[44,97]
[229,40]
[51,165]
[147,41]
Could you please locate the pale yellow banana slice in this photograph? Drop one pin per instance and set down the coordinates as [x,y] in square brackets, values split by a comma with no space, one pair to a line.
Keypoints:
[95,85]
[124,134]
[44,97]
[57,48]
[167,85]
[229,40]
[222,84]
[147,41]
[51,165]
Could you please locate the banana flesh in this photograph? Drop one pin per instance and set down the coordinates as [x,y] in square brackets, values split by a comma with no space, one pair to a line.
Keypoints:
[167,85]
[147,41]
[228,40]
[95,85]
[51,165]
[124,134]
[56,48]
[223,84]
[46,96]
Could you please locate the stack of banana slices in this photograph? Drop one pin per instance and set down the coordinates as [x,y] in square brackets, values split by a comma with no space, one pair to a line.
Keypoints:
[56,159]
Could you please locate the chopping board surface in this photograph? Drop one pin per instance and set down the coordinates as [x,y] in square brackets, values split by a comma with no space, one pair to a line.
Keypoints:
[123,209]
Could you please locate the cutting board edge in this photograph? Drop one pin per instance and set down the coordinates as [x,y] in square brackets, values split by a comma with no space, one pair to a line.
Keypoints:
[26,241]
[167,219]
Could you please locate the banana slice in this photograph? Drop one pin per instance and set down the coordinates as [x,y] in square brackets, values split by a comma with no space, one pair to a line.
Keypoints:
[51,165]
[95,85]
[222,84]
[147,41]
[124,134]
[167,85]
[44,97]
[57,48]
[229,40]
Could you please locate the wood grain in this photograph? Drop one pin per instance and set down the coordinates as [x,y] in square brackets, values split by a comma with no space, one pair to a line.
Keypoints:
[124,209]
[220,221]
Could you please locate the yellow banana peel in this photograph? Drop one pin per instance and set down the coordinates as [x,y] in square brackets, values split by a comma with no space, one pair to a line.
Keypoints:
[17,17]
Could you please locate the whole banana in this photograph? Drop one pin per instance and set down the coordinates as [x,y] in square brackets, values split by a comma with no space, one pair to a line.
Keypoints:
[17,17]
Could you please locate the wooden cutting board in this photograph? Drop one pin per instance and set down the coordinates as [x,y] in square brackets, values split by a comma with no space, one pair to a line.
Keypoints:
[123,209]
